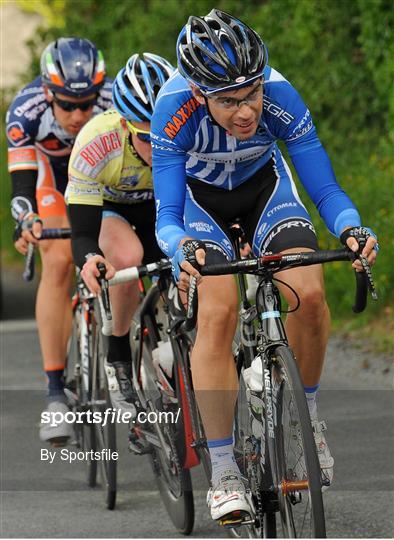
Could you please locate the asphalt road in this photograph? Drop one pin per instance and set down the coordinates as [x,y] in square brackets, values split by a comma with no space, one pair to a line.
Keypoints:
[42,500]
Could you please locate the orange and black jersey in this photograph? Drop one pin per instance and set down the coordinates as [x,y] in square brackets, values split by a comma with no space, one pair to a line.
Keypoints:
[31,127]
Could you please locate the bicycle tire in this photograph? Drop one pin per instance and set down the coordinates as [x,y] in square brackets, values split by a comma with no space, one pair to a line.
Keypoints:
[105,435]
[90,444]
[294,456]
[182,346]
[173,481]
[265,519]
[85,433]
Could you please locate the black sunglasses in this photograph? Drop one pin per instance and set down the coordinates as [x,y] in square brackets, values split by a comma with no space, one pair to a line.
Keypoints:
[69,106]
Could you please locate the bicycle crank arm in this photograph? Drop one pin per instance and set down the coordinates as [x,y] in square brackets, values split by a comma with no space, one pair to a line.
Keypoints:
[155,441]
[138,445]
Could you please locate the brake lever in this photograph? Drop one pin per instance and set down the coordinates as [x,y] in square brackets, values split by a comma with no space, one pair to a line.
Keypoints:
[104,302]
[368,272]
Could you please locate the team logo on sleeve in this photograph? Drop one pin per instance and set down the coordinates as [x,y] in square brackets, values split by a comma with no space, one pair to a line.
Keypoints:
[16,134]
[180,118]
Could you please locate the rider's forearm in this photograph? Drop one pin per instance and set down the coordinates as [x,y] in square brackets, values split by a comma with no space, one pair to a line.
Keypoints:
[314,169]
[169,238]
[85,231]
[23,199]
[169,181]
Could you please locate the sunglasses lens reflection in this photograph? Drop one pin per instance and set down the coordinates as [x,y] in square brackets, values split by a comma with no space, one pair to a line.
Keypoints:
[68,106]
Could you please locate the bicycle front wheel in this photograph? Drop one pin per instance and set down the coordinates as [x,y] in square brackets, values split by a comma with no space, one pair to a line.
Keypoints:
[80,361]
[172,478]
[105,432]
[295,464]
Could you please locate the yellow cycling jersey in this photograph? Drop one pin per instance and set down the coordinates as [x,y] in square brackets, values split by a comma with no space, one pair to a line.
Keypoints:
[104,166]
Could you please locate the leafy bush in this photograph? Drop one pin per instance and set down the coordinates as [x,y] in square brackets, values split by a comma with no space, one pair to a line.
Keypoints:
[338,54]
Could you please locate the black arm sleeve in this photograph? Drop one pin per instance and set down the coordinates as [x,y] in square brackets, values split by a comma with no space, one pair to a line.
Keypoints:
[23,192]
[85,222]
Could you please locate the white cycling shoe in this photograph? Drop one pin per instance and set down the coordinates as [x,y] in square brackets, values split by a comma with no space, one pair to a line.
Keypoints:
[122,400]
[57,431]
[228,500]
[325,458]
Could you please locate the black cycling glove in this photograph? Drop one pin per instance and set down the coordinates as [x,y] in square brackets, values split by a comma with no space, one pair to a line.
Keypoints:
[187,252]
[360,234]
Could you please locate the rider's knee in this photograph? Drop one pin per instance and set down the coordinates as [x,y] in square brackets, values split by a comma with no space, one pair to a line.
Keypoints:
[122,260]
[312,302]
[218,318]
[57,266]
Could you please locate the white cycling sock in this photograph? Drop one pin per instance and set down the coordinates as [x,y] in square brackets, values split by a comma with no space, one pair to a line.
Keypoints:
[310,394]
[222,457]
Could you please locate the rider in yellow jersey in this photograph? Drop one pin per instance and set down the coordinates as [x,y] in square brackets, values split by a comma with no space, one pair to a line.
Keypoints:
[110,198]
[105,166]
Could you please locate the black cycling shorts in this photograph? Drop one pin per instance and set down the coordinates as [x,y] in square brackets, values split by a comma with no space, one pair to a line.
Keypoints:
[267,205]
[142,218]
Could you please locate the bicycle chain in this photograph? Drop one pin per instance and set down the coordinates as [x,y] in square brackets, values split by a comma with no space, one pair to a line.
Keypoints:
[254,477]
[259,509]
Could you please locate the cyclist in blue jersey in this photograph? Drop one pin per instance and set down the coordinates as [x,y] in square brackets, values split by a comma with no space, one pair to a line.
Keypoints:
[42,123]
[215,159]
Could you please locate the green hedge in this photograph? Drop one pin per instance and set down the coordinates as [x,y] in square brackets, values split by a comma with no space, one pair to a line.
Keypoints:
[337,53]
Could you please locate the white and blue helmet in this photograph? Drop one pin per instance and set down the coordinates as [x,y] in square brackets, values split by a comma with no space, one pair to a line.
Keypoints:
[219,52]
[136,86]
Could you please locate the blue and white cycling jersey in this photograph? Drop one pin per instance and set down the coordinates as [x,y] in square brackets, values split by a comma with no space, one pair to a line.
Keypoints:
[186,142]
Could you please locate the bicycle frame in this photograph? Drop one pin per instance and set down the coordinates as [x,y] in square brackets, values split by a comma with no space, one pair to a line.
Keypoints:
[255,343]
[146,315]
[83,301]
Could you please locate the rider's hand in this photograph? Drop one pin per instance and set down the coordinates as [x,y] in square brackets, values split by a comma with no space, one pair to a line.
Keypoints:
[188,252]
[27,232]
[90,272]
[352,236]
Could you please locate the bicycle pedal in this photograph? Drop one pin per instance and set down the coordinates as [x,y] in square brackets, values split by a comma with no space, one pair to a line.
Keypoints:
[236,519]
[137,446]
[199,443]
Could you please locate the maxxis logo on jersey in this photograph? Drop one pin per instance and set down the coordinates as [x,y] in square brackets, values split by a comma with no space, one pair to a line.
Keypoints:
[180,118]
